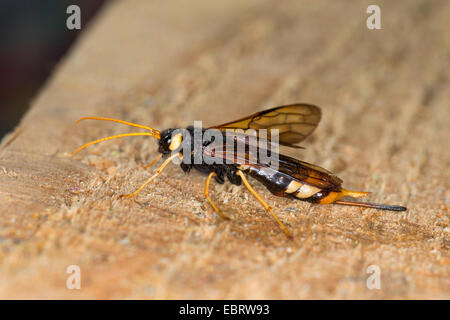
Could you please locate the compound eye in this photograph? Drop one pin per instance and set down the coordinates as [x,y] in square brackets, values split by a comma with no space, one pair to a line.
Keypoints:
[176,141]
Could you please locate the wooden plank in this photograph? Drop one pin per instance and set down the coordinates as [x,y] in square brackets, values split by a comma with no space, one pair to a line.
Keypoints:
[384,96]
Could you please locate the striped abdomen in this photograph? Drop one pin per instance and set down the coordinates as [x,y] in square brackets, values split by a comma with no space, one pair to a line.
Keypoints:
[295,178]
[284,185]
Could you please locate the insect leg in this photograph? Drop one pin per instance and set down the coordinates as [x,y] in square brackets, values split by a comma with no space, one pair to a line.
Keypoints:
[160,169]
[212,174]
[265,205]
[152,162]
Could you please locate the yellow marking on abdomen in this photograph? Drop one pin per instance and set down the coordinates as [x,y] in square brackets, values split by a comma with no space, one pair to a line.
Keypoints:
[306,191]
[293,186]
[331,197]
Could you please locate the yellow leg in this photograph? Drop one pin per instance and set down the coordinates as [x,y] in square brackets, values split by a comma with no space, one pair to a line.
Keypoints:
[265,205]
[152,162]
[212,174]
[160,169]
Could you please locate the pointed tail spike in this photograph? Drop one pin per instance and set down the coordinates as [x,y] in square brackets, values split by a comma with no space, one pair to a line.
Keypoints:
[371,205]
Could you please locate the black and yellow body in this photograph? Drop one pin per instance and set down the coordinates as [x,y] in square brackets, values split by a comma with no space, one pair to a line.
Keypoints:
[290,177]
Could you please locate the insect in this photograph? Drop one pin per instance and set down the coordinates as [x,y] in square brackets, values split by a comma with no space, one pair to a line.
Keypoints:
[292,178]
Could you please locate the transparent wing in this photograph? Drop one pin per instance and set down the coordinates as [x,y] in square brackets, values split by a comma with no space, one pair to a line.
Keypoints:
[245,150]
[294,122]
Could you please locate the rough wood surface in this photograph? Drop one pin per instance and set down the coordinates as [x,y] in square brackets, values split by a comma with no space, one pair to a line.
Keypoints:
[385,100]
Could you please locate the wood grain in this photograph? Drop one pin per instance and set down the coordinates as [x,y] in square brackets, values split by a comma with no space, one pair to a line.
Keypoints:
[384,96]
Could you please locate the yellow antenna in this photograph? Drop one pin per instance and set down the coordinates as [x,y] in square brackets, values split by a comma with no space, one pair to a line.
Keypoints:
[112,137]
[156,132]
[153,132]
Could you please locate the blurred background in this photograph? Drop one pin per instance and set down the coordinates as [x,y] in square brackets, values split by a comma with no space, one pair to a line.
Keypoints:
[33,38]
